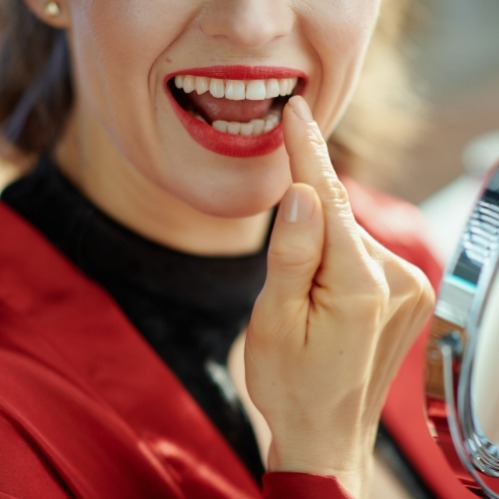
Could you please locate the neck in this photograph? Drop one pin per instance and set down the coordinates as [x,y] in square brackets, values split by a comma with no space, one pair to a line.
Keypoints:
[13,163]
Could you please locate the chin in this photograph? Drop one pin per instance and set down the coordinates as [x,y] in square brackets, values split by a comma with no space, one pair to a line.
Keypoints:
[241,202]
[240,206]
[234,188]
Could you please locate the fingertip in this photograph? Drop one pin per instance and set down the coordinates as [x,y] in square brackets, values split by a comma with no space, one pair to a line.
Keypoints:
[300,128]
[297,120]
[305,145]
[301,109]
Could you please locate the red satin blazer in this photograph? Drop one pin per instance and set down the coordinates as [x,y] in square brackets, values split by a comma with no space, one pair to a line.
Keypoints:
[88,410]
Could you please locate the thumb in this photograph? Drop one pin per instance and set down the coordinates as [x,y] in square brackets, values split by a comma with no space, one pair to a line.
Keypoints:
[296,245]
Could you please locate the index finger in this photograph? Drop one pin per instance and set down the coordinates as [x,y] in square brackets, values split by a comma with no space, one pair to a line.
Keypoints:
[311,164]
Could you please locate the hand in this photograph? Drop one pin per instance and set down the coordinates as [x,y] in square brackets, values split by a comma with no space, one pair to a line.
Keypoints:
[334,320]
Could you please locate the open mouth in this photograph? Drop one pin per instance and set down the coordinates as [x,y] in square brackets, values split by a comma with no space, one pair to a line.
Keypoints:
[246,107]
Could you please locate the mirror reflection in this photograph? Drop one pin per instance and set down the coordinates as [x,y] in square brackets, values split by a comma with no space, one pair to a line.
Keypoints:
[485,376]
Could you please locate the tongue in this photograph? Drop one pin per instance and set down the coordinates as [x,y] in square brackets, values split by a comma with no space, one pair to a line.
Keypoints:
[213,109]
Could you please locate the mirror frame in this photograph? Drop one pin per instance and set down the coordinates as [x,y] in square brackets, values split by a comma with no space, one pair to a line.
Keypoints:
[452,344]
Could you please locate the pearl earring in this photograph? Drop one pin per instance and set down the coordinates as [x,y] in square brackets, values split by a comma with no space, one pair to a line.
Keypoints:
[52,9]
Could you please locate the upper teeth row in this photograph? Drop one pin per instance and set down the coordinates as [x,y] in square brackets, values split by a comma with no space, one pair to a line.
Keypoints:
[237,89]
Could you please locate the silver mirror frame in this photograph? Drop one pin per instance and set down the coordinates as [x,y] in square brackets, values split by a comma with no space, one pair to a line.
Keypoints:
[452,344]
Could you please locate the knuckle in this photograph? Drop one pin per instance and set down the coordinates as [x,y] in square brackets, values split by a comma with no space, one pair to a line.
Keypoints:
[334,191]
[331,189]
[315,138]
[420,285]
[376,301]
[421,301]
[290,256]
[369,301]
[426,293]
[273,322]
[381,298]
[375,281]
[413,290]
[336,186]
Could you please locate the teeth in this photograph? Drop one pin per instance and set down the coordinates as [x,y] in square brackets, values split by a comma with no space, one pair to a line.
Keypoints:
[189,84]
[273,88]
[256,90]
[246,129]
[202,85]
[199,117]
[271,121]
[253,128]
[234,90]
[258,126]
[179,81]
[284,86]
[237,89]
[234,127]
[217,88]
[220,125]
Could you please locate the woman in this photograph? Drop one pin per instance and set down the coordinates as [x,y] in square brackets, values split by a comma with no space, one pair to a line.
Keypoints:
[164,134]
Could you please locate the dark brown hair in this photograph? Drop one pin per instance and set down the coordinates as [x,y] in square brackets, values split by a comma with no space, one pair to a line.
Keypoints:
[35,89]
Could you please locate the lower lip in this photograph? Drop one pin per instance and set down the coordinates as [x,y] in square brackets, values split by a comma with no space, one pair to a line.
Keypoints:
[236,146]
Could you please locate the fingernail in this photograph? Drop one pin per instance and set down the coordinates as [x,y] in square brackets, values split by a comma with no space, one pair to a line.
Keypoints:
[301,109]
[297,205]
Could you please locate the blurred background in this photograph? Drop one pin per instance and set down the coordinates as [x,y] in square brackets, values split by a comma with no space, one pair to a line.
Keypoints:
[454,61]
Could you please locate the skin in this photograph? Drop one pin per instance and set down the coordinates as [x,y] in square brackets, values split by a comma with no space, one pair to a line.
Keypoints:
[348,308]
[127,150]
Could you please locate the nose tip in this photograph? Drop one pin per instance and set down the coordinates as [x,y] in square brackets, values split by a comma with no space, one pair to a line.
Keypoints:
[247,23]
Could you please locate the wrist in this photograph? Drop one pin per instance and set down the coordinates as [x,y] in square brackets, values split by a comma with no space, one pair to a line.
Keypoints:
[348,460]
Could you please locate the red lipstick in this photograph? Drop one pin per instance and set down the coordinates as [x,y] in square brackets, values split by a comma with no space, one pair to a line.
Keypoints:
[224,143]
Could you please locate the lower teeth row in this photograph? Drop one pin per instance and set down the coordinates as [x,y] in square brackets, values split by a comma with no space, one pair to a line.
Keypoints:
[252,128]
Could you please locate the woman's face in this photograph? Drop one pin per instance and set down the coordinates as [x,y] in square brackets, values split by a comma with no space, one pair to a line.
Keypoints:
[159,81]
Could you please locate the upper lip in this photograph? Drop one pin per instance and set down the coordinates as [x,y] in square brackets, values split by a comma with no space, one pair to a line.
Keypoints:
[241,72]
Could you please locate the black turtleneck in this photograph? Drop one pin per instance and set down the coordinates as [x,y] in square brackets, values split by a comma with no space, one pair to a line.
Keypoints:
[189,308]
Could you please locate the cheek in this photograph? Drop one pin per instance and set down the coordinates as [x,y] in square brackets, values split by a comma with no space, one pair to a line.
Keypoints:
[339,32]
[121,29]
[117,45]
[341,29]
[116,48]
[110,49]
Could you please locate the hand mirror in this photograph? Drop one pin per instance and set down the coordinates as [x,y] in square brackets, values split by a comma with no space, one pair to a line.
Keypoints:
[462,356]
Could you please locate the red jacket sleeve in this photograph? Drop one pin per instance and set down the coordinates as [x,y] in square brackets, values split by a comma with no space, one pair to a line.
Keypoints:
[278,485]
[23,472]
